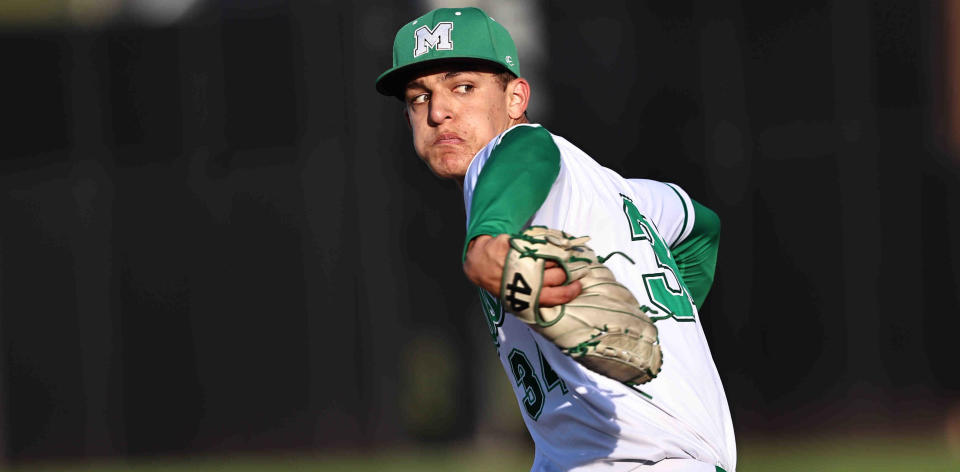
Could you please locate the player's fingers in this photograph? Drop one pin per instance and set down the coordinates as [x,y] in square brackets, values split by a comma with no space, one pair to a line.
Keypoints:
[552,296]
[554,276]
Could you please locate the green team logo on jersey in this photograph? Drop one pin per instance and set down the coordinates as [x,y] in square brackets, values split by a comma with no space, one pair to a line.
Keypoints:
[492,312]
[664,287]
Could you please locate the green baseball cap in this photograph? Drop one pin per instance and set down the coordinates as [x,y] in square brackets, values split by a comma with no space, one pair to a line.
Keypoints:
[444,34]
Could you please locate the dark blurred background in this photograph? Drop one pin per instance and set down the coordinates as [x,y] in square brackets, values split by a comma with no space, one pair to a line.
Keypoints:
[216,237]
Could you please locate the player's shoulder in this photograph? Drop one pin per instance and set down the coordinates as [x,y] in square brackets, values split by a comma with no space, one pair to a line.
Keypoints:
[521,148]
[657,190]
[524,144]
[525,133]
[517,139]
[665,203]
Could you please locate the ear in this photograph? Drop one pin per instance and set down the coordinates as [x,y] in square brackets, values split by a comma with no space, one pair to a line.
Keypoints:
[518,97]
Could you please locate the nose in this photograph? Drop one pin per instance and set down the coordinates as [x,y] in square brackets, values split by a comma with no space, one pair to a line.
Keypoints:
[441,108]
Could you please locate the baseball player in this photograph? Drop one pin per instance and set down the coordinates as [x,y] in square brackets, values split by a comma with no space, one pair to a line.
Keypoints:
[458,74]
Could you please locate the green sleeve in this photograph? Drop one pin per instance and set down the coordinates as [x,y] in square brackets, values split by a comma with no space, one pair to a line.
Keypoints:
[696,256]
[513,183]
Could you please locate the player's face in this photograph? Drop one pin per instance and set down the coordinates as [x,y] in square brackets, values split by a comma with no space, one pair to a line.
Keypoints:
[453,114]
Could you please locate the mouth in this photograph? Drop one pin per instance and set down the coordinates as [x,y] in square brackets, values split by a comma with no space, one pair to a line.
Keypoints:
[447,138]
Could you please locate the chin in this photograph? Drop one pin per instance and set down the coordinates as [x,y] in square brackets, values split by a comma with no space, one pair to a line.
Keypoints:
[449,174]
[451,168]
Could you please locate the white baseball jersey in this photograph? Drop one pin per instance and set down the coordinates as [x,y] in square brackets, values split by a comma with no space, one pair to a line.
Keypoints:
[581,420]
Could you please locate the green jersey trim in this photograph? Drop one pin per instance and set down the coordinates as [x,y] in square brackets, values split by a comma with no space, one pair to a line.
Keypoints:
[513,183]
[683,202]
[696,256]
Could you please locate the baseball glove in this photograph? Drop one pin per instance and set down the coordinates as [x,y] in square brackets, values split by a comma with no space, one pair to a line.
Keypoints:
[604,328]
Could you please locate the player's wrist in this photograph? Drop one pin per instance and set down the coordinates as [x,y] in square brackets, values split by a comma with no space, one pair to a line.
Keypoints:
[480,239]
[471,263]
[483,265]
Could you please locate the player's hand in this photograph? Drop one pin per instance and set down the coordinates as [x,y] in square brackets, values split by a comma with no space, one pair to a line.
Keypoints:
[554,292]
[484,267]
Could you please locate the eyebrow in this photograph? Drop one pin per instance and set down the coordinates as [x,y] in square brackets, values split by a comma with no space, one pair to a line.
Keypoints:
[418,84]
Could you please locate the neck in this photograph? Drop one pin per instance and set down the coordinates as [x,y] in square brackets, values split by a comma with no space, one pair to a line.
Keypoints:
[521,120]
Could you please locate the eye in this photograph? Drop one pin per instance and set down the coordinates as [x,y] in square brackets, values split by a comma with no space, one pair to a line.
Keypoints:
[463,88]
[422,98]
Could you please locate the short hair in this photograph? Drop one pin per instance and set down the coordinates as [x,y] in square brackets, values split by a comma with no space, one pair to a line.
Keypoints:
[505,77]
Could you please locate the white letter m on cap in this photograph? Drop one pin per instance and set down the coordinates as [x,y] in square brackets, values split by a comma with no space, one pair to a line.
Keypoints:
[438,37]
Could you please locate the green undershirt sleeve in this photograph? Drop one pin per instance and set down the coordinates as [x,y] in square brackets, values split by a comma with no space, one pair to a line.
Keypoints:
[514,182]
[696,256]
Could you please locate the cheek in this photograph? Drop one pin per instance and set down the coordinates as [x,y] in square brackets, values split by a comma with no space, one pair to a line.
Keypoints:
[487,129]
[419,141]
